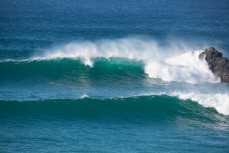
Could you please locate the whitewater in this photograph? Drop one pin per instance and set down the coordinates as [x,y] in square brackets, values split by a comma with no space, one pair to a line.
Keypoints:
[174,70]
[173,62]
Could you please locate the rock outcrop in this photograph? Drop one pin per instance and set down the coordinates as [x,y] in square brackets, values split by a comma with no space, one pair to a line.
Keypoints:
[218,64]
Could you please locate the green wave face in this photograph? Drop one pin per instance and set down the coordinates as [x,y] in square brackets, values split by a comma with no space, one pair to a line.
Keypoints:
[72,70]
[136,109]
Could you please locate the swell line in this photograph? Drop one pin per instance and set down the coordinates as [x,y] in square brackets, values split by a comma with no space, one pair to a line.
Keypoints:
[140,107]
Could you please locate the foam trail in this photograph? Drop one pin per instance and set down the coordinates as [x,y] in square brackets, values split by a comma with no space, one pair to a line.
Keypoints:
[219,101]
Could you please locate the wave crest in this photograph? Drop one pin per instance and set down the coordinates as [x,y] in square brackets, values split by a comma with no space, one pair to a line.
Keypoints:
[219,101]
[171,62]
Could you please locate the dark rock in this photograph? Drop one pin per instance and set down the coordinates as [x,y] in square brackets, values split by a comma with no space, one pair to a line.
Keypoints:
[218,64]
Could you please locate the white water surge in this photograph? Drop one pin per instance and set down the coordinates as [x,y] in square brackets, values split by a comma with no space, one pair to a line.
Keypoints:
[173,62]
[219,101]
[186,67]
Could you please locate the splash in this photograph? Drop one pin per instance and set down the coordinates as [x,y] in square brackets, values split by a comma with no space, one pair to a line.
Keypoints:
[219,101]
[186,67]
[166,62]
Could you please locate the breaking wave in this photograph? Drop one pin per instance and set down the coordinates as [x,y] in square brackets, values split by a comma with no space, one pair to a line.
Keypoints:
[173,62]
[122,61]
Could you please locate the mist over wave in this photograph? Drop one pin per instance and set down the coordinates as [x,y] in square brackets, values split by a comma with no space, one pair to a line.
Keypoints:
[140,49]
[175,61]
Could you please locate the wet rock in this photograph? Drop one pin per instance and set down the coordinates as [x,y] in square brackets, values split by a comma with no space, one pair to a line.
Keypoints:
[218,64]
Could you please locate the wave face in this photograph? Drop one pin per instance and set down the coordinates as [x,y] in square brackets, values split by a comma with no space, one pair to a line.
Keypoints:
[151,108]
[71,69]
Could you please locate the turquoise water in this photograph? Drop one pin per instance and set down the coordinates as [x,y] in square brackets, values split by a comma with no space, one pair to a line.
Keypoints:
[112,76]
[137,124]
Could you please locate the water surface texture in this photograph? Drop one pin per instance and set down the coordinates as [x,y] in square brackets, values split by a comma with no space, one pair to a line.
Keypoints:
[112,76]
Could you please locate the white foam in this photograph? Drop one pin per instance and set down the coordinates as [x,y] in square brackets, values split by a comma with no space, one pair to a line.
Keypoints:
[84,96]
[219,101]
[184,67]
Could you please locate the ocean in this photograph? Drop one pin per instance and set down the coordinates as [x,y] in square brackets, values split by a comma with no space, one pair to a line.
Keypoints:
[112,76]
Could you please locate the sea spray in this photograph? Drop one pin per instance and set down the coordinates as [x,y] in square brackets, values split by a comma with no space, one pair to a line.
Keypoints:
[186,67]
[219,101]
[140,49]
[171,62]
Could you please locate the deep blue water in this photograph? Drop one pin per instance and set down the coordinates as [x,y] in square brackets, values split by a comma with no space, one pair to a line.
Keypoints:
[76,76]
